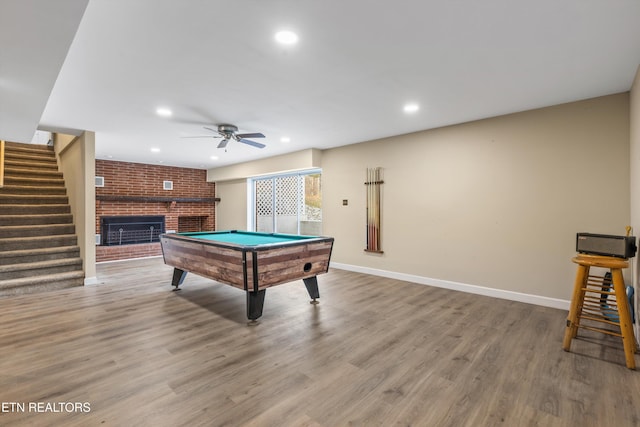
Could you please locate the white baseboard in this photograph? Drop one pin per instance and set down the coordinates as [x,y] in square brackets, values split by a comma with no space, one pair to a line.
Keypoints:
[90,280]
[456,286]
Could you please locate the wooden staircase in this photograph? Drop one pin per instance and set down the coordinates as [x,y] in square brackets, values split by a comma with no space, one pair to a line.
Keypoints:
[38,244]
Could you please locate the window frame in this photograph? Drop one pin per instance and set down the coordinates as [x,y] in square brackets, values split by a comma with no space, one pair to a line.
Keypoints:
[251,202]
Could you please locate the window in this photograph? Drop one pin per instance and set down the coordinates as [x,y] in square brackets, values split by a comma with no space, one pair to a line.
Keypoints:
[289,203]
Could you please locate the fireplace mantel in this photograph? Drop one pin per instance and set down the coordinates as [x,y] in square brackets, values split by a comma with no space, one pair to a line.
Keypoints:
[170,201]
[145,199]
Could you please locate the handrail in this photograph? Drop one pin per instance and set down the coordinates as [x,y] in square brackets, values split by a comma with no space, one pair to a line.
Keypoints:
[1,163]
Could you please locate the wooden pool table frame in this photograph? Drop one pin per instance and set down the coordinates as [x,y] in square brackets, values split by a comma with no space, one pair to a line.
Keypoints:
[252,268]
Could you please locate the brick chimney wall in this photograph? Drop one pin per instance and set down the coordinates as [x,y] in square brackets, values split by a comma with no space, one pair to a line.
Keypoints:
[136,181]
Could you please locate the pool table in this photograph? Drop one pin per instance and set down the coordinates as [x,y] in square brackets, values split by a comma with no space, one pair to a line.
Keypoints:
[249,261]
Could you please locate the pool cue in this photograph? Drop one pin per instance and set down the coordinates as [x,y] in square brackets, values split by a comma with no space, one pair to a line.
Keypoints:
[373,210]
[375,213]
[377,207]
[370,210]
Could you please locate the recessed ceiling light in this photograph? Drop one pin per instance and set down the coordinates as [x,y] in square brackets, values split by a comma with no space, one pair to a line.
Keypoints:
[286,37]
[411,108]
[285,139]
[155,150]
[163,112]
[214,157]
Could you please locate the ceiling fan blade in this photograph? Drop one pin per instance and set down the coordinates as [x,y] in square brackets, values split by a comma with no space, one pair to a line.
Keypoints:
[250,135]
[202,136]
[252,143]
[211,129]
[223,143]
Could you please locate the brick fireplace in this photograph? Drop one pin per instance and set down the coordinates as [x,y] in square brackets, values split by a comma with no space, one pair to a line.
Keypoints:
[180,196]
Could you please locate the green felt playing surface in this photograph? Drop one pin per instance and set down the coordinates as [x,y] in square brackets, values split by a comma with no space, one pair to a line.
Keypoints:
[247,238]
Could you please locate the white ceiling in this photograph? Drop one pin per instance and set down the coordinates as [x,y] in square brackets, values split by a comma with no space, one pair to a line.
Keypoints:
[356,64]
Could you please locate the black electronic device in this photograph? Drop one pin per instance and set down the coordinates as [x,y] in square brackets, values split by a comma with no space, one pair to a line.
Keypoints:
[607,245]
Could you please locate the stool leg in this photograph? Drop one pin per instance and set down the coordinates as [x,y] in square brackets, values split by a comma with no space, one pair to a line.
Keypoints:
[580,304]
[575,309]
[628,339]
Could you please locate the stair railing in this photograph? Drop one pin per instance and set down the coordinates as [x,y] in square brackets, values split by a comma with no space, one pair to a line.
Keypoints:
[1,163]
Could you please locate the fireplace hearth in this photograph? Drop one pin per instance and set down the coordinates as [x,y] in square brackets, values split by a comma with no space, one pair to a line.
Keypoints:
[128,230]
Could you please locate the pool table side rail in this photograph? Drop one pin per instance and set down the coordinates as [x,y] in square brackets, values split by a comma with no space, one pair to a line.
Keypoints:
[220,264]
[287,264]
[272,264]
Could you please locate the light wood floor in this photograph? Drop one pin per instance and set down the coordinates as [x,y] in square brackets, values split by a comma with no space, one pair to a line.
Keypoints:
[374,352]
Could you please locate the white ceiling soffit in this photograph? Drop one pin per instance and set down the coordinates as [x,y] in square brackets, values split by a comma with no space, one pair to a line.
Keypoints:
[35,36]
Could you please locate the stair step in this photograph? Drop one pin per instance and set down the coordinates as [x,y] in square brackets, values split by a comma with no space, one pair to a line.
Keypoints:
[10,220]
[39,254]
[39,149]
[32,189]
[32,199]
[42,283]
[12,171]
[39,268]
[22,243]
[48,157]
[36,230]
[29,181]
[30,149]
[18,163]
[22,209]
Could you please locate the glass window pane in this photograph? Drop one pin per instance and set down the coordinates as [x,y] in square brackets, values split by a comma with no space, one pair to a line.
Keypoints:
[264,205]
[289,204]
[311,221]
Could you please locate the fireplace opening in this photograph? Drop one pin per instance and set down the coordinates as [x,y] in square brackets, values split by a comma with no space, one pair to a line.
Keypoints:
[192,223]
[128,230]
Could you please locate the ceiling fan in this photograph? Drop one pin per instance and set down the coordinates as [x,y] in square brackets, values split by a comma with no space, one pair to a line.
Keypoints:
[228,132]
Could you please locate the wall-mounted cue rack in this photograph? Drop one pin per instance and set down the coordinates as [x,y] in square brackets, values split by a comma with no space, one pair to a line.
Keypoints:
[373,183]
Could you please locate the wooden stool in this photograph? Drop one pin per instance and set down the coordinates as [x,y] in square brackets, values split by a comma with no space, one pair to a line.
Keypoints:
[593,301]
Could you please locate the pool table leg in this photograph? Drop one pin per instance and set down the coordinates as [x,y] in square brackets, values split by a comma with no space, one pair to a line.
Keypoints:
[311,284]
[178,278]
[255,302]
